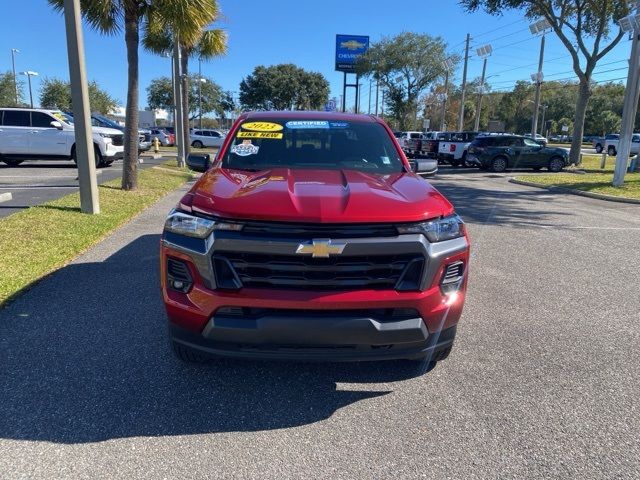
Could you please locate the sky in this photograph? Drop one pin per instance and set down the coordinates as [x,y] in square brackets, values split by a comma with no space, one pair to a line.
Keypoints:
[300,32]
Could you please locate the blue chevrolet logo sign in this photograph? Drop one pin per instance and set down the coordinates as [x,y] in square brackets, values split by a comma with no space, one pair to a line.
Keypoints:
[348,49]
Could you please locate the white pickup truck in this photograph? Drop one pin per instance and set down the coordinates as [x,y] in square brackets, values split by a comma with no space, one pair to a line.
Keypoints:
[410,142]
[611,145]
[454,149]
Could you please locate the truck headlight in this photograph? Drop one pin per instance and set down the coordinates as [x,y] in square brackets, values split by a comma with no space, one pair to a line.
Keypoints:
[185,224]
[437,230]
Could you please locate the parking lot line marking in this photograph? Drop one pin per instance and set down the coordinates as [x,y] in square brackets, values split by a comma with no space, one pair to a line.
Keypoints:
[30,186]
[5,197]
[566,227]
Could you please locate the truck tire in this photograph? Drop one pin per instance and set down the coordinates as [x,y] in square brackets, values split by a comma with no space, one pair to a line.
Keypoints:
[611,151]
[499,164]
[96,155]
[598,148]
[455,163]
[186,354]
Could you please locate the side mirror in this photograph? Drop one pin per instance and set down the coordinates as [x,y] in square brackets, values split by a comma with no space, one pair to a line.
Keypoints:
[56,124]
[199,162]
[426,167]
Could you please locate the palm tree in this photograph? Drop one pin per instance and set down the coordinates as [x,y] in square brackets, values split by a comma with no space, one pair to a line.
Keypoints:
[187,17]
[207,45]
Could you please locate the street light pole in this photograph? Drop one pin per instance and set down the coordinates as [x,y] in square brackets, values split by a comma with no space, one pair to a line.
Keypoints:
[177,95]
[30,74]
[541,26]
[483,52]
[631,24]
[13,63]
[200,93]
[88,184]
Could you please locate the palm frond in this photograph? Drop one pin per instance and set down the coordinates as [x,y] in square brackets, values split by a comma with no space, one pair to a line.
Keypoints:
[104,16]
[213,43]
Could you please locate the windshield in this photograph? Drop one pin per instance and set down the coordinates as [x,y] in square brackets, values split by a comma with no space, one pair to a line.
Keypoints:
[318,144]
[63,117]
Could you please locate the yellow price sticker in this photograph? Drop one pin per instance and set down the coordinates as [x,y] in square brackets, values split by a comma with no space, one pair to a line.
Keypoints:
[262,126]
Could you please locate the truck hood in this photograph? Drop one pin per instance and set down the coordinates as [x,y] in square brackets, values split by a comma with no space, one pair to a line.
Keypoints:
[106,131]
[319,196]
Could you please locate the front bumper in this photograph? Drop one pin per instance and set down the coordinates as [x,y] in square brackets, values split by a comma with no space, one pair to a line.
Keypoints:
[309,337]
[312,322]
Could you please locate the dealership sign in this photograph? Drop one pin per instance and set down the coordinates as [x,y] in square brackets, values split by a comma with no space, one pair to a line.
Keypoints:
[349,48]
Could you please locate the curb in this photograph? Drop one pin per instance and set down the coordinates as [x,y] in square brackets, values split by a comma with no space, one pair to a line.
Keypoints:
[5,197]
[597,196]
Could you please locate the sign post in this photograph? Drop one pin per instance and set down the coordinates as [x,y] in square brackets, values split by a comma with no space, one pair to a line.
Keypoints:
[349,48]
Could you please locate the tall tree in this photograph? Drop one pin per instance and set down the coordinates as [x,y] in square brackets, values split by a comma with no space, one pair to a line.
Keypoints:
[583,27]
[187,17]
[160,95]
[56,93]
[207,44]
[8,90]
[283,87]
[405,65]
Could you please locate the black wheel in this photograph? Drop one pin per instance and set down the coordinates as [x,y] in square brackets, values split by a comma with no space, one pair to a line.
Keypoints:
[455,163]
[197,144]
[465,163]
[537,169]
[499,164]
[107,164]
[12,162]
[556,164]
[599,148]
[611,151]
[96,155]
[188,355]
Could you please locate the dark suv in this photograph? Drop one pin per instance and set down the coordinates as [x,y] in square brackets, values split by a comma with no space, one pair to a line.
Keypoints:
[499,152]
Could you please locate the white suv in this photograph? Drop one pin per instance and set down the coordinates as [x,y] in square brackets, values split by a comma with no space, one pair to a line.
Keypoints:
[38,133]
[206,138]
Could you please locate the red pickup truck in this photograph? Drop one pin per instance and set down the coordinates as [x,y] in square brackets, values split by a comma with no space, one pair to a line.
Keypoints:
[310,237]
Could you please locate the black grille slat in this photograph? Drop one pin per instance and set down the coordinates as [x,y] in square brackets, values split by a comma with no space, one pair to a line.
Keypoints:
[309,231]
[117,140]
[335,273]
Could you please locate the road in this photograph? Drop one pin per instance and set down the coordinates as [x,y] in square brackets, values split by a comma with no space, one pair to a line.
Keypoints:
[36,182]
[543,381]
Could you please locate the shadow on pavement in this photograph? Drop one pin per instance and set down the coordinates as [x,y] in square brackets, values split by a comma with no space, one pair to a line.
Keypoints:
[84,357]
[484,203]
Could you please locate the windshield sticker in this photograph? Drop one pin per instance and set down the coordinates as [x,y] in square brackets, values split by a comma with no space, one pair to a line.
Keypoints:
[277,136]
[245,149]
[307,124]
[339,125]
[385,160]
[262,126]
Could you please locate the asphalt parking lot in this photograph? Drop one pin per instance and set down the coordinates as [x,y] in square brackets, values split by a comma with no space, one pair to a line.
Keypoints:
[543,381]
[36,182]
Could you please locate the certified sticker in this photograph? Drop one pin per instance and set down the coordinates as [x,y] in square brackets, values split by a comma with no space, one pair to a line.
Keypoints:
[275,135]
[245,149]
[307,124]
[262,126]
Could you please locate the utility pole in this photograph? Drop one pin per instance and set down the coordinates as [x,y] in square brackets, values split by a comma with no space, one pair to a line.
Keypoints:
[377,93]
[89,202]
[15,80]
[630,24]
[444,100]
[177,95]
[544,112]
[464,84]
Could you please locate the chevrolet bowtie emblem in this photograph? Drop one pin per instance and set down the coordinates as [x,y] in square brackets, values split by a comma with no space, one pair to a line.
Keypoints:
[321,248]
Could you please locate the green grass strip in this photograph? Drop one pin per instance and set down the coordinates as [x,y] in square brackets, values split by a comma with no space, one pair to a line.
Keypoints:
[589,182]
[41,239]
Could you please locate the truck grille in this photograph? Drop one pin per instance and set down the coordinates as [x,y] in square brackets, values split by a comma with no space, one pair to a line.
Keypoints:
[118,140]
[310,231]
[379,272]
